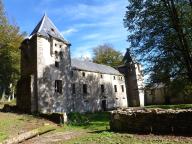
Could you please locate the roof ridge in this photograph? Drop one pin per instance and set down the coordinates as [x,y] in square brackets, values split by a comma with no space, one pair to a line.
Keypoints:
[94,62]
[94,67]
[43,19]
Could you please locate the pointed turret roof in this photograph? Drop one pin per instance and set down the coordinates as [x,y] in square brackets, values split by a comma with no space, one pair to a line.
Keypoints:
[46,28]
[127,58]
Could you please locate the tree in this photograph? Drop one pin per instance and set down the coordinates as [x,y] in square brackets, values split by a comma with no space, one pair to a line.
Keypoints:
[9,54]
[161,37]
[106,54]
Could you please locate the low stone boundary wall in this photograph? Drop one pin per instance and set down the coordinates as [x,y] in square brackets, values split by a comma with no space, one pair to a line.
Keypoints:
[157,121]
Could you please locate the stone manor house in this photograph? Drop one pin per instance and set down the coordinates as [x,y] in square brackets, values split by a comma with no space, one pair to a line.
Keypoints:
[53,82]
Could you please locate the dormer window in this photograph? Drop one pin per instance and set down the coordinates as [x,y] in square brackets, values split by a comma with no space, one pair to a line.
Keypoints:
[52,30]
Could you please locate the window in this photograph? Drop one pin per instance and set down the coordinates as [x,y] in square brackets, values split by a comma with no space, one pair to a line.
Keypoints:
[55,45]
[61,55]
[114,77]
[84,88]
[57,64]
[101,76]
[83,74]
[122,88]
[115,88]
[60,46]
[56,54]
[73,88]
[58,86]
[102,88]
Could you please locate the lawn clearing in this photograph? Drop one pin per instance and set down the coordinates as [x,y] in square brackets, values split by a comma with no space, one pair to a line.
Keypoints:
[117,138]
[97,132]
[13,124]
[178,106]
[94,131]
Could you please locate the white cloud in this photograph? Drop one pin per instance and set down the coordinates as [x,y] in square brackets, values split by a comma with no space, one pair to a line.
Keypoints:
[90,23]
[95,24]
[77,11]
[91,36]
[83,51]
[69,31]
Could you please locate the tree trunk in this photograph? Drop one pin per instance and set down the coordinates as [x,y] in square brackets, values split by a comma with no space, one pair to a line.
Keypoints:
[173,12]
[13,94]
[3,95]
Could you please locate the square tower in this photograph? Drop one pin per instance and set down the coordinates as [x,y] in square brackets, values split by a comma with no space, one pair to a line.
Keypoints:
[45,70]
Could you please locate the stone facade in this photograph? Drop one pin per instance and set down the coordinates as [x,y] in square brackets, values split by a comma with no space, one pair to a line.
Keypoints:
[51,81]
[100,94]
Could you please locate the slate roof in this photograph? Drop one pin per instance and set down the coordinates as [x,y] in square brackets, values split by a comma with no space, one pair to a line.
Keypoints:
[93,67]
[127,57]
[46,28]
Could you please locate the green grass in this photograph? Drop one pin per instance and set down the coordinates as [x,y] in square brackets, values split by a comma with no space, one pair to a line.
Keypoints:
[98,121]
[179,106]
[9,125]
[12,102]
[97,132]
[13,124]
[117,138]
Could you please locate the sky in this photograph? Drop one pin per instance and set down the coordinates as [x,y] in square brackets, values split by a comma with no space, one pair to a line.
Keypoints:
[84,23]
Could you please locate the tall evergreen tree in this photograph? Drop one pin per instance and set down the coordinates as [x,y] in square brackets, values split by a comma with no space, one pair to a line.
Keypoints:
[161,37]
[10,39]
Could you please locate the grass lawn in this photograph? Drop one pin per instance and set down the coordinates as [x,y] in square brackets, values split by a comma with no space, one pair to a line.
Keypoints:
[97,132]
[13,124]
[94,131]
[178,106]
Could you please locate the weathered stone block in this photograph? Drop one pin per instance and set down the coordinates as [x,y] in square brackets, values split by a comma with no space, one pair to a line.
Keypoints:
[158,121]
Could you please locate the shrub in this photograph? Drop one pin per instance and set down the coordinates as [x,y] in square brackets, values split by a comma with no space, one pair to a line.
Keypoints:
[77,119]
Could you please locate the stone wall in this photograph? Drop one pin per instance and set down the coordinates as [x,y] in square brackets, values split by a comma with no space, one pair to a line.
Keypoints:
[157,121]
[162,95]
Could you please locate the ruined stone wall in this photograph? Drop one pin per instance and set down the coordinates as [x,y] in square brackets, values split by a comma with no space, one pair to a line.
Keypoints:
[92,101]
[156,121]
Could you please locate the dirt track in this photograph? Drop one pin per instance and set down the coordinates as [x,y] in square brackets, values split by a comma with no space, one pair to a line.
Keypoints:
[53,137]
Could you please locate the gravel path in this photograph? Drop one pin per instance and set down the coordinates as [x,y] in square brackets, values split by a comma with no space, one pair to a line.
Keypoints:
[53,137]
